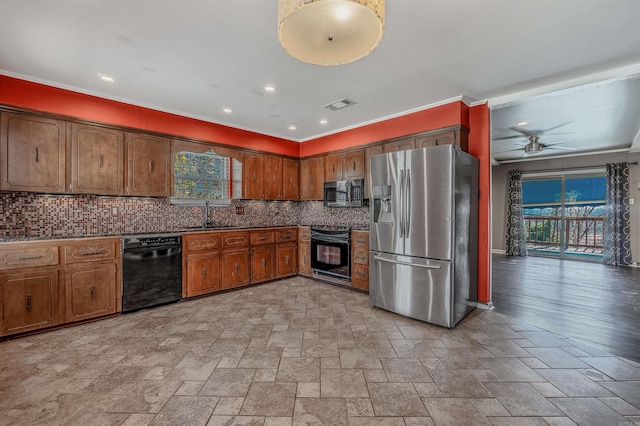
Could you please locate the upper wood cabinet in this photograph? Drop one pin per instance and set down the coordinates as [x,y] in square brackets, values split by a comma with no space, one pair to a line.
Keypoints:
[344,165]
[312,178]
[148,165]
[368,152]
[253,176]
[97,160]
[290,179]
[333,167]
[32,153]
[272,177]
[449,137]
[353,165]
[399,145]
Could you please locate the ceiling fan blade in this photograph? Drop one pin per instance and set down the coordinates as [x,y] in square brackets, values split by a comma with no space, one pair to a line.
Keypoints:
[508,150]
[544,132]
[509,137]
[560,142]
[560,147]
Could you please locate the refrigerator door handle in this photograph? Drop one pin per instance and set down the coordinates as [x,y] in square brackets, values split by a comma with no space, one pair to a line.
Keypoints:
[382,259]
[401,203]
[407,196]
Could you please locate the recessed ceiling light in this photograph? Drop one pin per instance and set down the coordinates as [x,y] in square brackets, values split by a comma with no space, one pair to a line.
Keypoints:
[292,127]
[269,88]
[323,121]
[227,110]
[522,123]
[107,79]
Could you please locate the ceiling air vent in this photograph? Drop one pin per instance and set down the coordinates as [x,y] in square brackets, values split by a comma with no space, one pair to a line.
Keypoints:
[342,103]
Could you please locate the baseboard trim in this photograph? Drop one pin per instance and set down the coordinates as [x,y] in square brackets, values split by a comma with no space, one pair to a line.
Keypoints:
[486,306]
[498,251]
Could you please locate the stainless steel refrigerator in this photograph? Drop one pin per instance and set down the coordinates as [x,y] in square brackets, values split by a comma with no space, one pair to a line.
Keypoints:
[423,226]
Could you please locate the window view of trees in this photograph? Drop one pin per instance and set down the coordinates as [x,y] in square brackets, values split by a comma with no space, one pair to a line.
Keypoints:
[576,226]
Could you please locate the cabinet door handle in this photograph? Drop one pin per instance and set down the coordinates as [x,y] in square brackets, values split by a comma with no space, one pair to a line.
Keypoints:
[262,238]
[354,165]
[254,176]
[273,178]
[29,302]
[235,269]
[90,252]
[100,160]
[286,260]
[36,155]
[304,260]
[333,167]
[264,263]
[286,236]
[204,273]
[291,180]
[93,292]
[150,165]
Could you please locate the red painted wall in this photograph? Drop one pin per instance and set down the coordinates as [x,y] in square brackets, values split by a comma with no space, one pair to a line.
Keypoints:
[39,97]
[34,96]
[479,146]
[433,118]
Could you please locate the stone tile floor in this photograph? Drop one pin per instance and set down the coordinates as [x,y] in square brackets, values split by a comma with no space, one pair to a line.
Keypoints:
[303,353]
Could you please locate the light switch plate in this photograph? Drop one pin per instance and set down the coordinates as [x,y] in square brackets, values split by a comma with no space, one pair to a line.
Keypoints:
[631,201]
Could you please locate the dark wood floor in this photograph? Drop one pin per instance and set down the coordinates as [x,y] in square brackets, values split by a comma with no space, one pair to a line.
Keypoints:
[588,302]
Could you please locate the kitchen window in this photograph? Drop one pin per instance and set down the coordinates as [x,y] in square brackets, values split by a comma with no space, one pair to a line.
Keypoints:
[201,177]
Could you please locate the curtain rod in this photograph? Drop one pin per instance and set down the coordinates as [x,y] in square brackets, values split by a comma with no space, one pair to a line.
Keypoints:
[635,163]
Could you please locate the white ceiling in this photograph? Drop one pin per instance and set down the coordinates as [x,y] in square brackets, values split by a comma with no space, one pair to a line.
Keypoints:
[194,57]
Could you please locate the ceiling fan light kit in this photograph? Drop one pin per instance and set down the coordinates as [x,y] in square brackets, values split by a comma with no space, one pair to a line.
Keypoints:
[330,32]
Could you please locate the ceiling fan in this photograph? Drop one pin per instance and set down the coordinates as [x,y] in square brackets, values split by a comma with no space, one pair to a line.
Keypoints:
[534,146]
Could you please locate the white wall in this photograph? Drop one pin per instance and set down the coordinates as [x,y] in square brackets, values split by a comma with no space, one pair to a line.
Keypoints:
[499,191]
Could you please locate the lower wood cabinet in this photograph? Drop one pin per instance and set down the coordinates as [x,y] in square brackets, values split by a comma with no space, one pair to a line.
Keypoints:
[90,291]
[43,284]
[204,273]
[287,259]
[235,268]
[263,263]
[360,259]
[29,300]
[304,251]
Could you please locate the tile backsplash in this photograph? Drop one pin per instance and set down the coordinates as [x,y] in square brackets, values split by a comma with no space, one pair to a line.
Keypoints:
[24,215]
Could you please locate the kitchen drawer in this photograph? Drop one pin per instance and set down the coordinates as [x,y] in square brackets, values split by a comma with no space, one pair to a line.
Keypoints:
[286,235]
[263,237]
[28,257]
[360,239]
[90,251]
[304,233]
[235,239]
[360,276]
[360,256]
[201,241]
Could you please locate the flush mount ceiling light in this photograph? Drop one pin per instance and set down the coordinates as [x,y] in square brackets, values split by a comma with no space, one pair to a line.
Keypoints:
[330,32]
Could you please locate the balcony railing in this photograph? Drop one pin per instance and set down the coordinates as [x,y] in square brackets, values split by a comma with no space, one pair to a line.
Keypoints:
[580,233]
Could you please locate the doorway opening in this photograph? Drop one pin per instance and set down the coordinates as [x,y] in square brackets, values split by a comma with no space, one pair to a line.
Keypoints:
[564,213]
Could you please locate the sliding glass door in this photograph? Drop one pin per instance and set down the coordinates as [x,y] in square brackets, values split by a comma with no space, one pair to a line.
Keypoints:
[563,214]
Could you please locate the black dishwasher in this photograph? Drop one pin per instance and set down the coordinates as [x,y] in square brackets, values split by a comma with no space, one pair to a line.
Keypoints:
[151,270]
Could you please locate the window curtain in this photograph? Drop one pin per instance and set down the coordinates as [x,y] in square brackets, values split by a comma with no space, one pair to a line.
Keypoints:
[617,245]
[516,236]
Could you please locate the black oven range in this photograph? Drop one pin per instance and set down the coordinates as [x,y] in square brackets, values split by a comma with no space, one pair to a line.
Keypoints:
[331,252]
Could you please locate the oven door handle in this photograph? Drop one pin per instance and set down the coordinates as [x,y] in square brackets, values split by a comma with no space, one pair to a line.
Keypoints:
[331,240]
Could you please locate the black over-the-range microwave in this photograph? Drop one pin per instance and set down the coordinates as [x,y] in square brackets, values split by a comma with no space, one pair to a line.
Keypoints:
[344,193]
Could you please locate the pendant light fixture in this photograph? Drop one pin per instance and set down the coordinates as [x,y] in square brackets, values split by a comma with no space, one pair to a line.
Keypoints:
[330,32]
